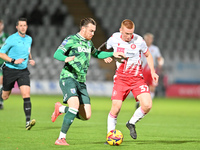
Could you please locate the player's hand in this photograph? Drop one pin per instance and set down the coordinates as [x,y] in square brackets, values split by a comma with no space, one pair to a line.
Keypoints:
[119,55]
[68,59]
[19,61]
[155,77]
[108,60]
[32,62]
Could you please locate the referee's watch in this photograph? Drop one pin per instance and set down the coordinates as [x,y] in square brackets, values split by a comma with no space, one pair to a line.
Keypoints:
[13,61]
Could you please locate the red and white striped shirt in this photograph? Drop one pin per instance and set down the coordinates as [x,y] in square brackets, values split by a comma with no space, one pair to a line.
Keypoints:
[132,65]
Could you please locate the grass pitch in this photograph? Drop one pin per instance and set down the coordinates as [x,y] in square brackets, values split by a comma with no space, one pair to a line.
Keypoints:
[172,124]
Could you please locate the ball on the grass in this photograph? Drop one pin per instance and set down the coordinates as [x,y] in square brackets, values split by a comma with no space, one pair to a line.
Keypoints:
[114,137]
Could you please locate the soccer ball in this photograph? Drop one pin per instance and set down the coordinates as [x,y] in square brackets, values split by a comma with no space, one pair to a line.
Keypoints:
[114,137]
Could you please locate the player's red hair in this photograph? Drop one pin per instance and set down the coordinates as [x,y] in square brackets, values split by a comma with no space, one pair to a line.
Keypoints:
[128,24]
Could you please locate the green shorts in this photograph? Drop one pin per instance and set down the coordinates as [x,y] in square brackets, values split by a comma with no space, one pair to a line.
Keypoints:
[70,87]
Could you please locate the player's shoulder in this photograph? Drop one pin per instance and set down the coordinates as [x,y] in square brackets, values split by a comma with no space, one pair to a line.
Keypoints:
[28,37]
[137,37]
[116,35]
[154,47]
[6,35]
[11,37]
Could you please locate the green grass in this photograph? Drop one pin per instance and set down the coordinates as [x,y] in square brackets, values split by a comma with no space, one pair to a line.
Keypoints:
[172,124]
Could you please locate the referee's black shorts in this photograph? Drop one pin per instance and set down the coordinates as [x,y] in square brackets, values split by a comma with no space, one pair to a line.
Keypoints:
[12,75]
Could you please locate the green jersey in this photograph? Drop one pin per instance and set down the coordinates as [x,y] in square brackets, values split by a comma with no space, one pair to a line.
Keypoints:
[76,45]
[3,38]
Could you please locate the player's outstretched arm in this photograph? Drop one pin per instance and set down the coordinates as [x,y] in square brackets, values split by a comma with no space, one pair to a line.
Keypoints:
[108,60]
[119,55]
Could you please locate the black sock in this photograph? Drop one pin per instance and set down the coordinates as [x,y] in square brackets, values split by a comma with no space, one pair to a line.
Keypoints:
[1,99]
[27,108]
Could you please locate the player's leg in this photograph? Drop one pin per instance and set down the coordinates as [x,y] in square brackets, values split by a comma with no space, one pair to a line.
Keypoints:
[152,89]
[69,117]
[146,104]
[112,116]
[8,84]
[24,86]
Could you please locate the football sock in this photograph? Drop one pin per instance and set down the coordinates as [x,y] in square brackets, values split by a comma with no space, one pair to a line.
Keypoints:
[27,108]
[111,122]
[68,119]
[139,114]
[1,99]
[152,95]
[137,105]
[64,109]
[62,135]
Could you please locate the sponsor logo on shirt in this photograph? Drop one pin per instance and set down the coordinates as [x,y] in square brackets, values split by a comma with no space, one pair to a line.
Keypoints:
[120,49]
[83,49]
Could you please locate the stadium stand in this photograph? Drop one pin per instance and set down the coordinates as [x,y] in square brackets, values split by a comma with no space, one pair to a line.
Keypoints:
[173,22]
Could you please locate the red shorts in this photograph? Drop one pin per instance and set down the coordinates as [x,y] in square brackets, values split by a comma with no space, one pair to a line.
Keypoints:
[123,86]
[147,76]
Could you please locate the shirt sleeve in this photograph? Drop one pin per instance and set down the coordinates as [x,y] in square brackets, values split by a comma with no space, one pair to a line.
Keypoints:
[64,47]
[101,54]
[144,47]
[109,43]
[6,46]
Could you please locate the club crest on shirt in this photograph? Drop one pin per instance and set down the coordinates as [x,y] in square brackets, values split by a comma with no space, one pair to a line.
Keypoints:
[64,42]
[73,91]
[88,43]
[133,46]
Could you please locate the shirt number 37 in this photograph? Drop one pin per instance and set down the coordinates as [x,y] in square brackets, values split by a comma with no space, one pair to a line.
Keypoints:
[144,88]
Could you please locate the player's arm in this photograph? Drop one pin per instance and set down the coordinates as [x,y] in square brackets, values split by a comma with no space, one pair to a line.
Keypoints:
[62,49]
[31,61]
[102,54]
[60,55]
[5,57]
[151,65]
[160,61]
[108,59]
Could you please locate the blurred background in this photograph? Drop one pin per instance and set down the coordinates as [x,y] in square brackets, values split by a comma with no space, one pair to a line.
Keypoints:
[174,24]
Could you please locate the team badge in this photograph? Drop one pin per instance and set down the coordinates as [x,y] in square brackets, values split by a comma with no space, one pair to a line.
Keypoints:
[114,93]
[133,46]
[64,42]
[89,44]
[73,91]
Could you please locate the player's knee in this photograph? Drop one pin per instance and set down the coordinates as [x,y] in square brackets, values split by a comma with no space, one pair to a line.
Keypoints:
[5,97]
[88,117]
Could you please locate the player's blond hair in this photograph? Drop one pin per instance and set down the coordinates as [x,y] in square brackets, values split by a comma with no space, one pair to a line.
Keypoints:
[128,24]
[148,35]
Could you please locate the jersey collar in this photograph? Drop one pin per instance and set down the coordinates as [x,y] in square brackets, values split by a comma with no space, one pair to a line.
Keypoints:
[82,38]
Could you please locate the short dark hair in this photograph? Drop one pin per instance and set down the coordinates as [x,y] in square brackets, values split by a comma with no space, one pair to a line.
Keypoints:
[86,21]
[21,19]
[1,21]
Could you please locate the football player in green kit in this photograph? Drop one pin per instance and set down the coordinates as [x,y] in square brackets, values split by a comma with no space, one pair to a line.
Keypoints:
[3,37]
[76,51]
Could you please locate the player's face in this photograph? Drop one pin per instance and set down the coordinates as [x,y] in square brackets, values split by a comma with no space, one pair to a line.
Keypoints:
[22,27]
[1,27]
[148,40]
[88,31]
[127,34]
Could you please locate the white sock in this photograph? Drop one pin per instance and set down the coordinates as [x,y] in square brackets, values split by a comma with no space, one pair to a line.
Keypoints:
[152,95]
[62,109]
[62,135]
[111,122]
[139,114]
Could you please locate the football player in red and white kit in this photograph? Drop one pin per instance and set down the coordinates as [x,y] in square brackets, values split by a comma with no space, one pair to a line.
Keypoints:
[128,77]
[158,63]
